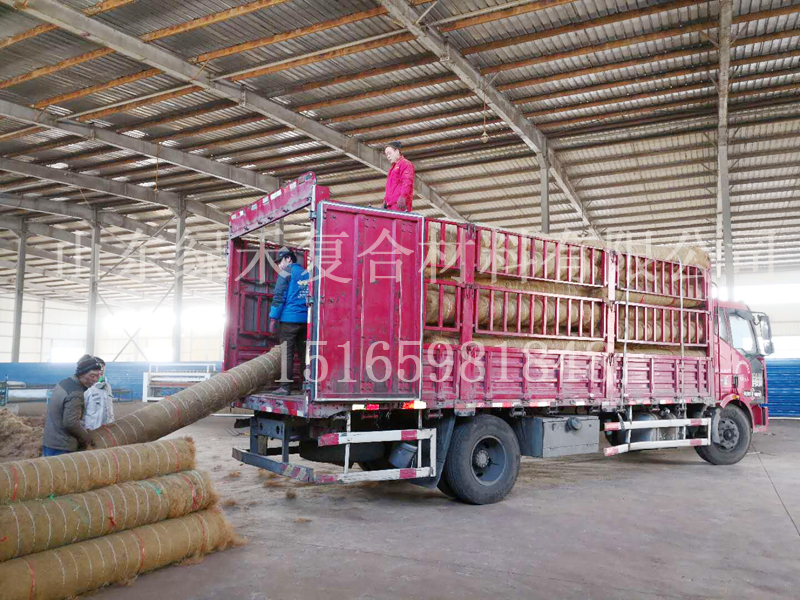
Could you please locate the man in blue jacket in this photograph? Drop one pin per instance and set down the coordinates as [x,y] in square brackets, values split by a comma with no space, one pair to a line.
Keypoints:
[288,315]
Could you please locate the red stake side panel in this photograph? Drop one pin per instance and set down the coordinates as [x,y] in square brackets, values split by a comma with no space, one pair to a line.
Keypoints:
[664,377]
[455,374]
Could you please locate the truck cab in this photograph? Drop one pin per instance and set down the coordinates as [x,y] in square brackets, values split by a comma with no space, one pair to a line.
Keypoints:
[744,339]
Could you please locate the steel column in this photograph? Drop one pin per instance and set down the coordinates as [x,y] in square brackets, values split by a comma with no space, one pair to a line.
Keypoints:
[91,319]
[544,181]
[723,183]
[19,288]
[177,298]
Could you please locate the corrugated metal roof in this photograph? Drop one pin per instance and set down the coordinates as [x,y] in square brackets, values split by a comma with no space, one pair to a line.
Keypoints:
[634,161]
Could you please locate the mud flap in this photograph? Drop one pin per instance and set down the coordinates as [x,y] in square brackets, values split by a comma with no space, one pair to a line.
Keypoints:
[444,433]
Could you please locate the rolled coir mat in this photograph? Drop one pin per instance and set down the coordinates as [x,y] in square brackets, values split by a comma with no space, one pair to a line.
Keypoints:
[42,524]
[77,568]
[191,404]
[82,471]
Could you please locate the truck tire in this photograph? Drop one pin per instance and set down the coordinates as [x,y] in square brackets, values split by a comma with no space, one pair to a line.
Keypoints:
[735,436]
[483,461]
[445,488]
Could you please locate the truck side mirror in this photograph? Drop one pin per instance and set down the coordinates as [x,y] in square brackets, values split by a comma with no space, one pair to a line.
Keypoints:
[763,334]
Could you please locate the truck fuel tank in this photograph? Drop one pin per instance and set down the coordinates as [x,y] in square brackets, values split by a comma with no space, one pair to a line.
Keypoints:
[547,437]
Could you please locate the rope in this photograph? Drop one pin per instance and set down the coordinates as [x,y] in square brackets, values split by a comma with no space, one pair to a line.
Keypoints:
[116,478]
[111,514]
[195,503]
[104,431]
[177,412]
[204,535]
[141,548]
[16,484]
[177,455]
[33,578]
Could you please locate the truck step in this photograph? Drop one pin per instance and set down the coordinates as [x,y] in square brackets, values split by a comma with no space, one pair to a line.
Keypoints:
[397,435]
[309,475]
[623,448]
[656,424]
[346,438]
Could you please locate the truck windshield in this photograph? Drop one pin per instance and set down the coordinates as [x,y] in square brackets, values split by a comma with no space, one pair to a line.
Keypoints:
[742,334]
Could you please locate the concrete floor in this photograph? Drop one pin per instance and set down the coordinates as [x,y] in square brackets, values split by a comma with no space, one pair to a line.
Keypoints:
[651,525]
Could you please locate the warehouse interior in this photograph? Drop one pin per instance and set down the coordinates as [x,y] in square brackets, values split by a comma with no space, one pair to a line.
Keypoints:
[130,131]
[630,100]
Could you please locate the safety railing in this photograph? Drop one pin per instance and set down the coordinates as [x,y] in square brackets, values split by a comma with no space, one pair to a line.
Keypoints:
[522,313]
[444,302]
[662,325]
[664,278]
[517,256]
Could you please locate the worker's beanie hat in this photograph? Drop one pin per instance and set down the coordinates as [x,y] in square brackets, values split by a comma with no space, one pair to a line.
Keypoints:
[284,252]
[87,363]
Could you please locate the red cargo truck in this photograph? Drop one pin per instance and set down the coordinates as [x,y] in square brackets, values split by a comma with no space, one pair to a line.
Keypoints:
[441,352]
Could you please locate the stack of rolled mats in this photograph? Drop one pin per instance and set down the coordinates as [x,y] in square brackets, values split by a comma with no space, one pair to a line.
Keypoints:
[76,522]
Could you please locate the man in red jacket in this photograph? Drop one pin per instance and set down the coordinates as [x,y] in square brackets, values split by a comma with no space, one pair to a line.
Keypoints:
[400,181]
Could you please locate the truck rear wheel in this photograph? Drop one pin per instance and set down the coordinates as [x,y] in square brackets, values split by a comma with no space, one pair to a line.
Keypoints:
[735,435]
[483,460]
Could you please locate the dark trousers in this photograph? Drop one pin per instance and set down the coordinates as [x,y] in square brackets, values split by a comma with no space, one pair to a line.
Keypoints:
[293,337]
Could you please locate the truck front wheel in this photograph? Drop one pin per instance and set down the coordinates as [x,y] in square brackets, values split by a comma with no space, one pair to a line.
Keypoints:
[734,438]
[483,461]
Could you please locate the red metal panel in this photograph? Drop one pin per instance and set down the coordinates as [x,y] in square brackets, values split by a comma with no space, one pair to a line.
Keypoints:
[298,194]
[251,281]
[368,313]
[660,376]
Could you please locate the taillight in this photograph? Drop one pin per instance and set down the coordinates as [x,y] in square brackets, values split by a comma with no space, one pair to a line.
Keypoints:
[415,404]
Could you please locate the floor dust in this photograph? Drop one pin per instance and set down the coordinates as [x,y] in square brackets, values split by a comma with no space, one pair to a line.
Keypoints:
[20,437]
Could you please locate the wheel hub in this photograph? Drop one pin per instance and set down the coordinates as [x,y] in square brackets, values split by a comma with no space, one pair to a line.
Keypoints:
[488,460]
[728,434]
[481,459]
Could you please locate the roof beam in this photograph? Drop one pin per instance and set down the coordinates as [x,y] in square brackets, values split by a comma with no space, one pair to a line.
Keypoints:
[46,292]
[54,274]
[107,218]
[60,257]
[244,177]
[404,13]
[115,188]
[83,241]
[75,22]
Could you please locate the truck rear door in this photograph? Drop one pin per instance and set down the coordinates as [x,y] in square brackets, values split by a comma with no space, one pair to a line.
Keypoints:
[367,307]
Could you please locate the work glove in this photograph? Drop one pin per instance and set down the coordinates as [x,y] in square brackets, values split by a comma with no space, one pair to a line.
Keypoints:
[401,203]
[273,325]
